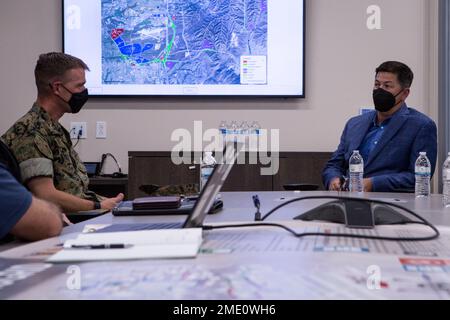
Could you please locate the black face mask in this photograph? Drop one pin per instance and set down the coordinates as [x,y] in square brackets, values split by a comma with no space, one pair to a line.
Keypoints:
[77,100]
[384,100]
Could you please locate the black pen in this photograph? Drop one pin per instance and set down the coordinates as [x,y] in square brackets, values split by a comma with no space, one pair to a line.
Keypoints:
[256,201]
[101,246]
[257,204]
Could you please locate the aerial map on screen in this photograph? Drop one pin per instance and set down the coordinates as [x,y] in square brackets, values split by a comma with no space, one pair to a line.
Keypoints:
[183,41]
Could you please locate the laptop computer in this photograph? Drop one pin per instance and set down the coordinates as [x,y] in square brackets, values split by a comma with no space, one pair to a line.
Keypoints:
[203,204]
[92,168]
[125,208]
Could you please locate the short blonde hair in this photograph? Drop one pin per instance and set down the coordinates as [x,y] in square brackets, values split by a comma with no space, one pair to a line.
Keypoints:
[53,66]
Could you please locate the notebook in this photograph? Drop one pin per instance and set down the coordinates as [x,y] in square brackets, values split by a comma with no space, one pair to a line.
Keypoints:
[145,244]
[202,205]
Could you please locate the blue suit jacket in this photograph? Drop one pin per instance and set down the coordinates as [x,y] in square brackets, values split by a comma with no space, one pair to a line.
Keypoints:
[391,163]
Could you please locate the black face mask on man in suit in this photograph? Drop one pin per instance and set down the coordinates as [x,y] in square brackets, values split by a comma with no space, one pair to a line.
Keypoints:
[384,100]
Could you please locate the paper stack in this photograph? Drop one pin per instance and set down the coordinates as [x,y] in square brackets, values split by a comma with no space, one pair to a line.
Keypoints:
[172,243]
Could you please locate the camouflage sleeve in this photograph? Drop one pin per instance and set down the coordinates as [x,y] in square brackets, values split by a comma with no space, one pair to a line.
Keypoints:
[38,167]
[34,156]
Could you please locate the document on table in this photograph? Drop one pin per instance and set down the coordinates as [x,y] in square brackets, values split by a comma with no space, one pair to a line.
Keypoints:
[276,240]
[255,277]
[173,243]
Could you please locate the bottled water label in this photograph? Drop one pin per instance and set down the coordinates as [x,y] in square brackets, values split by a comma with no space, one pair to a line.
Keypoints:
[207,165]
[423,170]
[446,182]
[423,175]
[206,172]
[356,168]
[447,174]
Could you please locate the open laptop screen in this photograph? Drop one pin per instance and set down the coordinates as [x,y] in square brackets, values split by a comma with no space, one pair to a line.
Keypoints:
[212,187]
[204,201]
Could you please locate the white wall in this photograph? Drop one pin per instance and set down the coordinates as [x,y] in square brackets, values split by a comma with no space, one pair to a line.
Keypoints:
[341,57]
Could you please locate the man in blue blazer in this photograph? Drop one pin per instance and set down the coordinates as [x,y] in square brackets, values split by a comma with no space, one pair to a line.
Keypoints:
[389,139]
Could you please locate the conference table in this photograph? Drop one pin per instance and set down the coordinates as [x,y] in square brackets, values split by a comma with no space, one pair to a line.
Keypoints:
[253,263]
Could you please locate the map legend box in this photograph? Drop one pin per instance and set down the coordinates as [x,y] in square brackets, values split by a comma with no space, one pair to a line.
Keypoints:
[253,70]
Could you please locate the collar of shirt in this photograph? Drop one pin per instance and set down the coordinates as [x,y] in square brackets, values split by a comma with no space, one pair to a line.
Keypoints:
[375,132]
[54,127]
[402,110]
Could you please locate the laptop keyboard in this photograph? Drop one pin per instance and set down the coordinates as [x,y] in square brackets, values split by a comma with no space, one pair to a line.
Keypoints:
[140,226]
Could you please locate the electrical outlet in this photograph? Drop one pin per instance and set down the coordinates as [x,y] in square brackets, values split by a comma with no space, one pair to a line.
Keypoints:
[101,130]
[76,127]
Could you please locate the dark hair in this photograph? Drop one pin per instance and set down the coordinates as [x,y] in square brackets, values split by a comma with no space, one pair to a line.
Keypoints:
[53,66]
[404,74]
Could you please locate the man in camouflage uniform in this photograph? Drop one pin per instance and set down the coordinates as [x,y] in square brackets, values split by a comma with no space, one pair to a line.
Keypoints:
[49,165]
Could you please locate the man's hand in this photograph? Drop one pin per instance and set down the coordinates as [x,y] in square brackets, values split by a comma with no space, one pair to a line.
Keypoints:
[111,202]
[367,184]
[335,184]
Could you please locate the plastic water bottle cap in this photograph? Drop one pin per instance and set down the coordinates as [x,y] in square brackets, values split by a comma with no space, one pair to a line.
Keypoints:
[422,153]
[208,159]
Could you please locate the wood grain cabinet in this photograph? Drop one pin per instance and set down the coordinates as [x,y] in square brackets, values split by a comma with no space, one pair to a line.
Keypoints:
[157,167]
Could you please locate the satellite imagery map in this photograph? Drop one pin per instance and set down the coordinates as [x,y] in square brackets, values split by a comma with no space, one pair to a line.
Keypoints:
[185,42]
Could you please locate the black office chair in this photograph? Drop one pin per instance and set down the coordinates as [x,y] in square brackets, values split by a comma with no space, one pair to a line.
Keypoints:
[300,187]
[77,217]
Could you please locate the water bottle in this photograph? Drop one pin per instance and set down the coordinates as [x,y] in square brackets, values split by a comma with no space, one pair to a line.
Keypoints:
[223,128]
[234,130]
[254,131]
[255,128]
[233,127]
[446,181]
[423,174]
[206,168]
[245,128]
[356,170]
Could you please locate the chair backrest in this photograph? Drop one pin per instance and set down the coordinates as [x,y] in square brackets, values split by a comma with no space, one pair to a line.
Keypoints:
[9,160]
[301,187]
